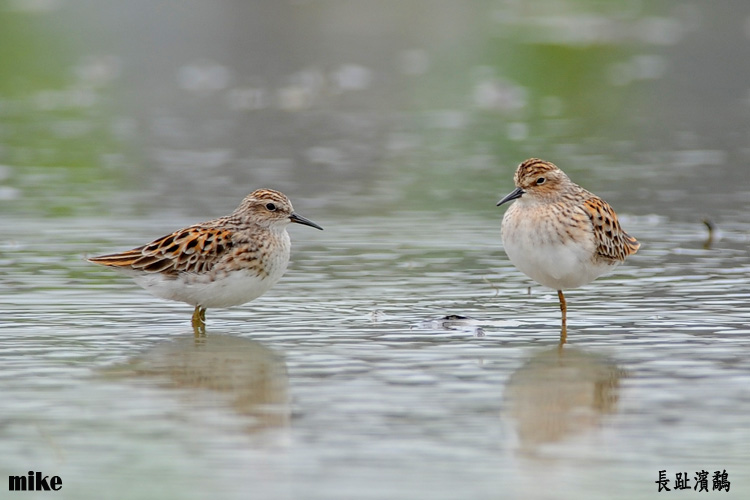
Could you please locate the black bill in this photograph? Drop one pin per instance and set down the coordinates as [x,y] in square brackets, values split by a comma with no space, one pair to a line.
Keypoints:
[302,220]
[516,193]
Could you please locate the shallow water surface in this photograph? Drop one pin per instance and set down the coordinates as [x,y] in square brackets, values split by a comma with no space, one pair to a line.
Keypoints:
[344,381]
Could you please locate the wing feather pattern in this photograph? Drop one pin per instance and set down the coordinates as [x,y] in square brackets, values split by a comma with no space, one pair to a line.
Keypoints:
[612,242]
[195,249]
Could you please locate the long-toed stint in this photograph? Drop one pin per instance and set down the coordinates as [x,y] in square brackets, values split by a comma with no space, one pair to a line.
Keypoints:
[224,262]
[559,234]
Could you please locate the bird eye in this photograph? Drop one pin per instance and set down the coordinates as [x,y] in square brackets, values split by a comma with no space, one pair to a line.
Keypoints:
[270,207]
[540,181]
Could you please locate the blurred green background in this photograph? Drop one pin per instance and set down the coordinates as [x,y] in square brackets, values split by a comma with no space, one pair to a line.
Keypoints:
[111,107]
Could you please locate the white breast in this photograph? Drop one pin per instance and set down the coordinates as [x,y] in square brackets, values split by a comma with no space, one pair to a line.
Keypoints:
[537,250]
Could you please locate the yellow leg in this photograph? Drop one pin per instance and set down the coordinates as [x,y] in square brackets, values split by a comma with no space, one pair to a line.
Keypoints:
[199,320]
[564,310]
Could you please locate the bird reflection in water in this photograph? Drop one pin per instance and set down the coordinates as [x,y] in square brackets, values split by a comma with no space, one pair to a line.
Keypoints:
[560,393]
[253,376]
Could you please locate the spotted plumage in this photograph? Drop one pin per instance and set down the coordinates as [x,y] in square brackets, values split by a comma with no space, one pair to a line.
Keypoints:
[612,242]
[219,263]
[558,233]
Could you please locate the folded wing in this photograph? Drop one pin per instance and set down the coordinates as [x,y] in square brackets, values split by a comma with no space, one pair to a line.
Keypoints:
[195,249]
[612,242]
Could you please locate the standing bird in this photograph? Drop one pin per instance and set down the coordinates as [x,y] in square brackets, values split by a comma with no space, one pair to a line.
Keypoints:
[559,234]
[224,262]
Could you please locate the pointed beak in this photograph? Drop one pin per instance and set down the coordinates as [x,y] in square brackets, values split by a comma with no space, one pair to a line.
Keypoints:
[516,193]
[302,220]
